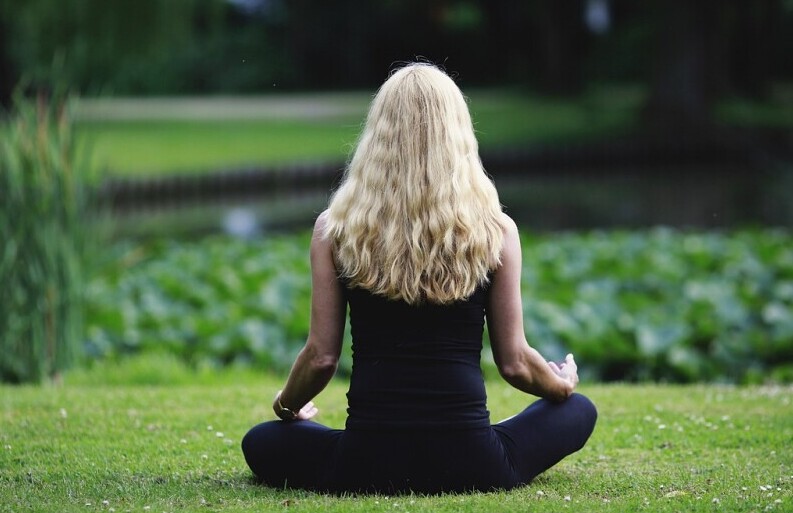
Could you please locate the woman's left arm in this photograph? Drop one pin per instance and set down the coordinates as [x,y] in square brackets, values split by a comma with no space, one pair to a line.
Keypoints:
[317,361]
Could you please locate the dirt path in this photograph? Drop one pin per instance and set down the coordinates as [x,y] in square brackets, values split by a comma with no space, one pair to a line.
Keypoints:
[277,107]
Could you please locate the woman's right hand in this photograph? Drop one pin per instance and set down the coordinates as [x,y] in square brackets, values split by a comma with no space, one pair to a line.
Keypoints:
[567,370]
[308,411]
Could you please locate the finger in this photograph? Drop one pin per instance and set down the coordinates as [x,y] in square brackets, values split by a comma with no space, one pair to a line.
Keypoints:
[569,358]
[308,414]
[554,367]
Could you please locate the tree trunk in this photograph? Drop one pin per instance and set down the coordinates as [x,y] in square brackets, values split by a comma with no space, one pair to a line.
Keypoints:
[8,76]
[680,92]
[752,46]
[564,37]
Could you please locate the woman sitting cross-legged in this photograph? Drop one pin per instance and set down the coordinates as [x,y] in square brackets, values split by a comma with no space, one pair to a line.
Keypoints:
[414,242]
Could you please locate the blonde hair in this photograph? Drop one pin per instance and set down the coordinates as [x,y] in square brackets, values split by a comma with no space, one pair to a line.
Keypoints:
[416,218]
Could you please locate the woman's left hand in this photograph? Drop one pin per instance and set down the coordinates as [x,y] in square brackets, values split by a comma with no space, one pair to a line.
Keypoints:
[307,411]
[568,370]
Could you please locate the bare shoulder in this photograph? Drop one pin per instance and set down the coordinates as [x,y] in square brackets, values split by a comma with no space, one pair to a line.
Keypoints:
[320,229]
[511,234]
[321,222]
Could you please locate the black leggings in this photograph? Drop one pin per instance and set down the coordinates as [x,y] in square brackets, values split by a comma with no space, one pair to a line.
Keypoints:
[304,454]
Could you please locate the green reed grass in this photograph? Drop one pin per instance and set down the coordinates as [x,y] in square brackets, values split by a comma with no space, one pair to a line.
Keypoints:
[44,192]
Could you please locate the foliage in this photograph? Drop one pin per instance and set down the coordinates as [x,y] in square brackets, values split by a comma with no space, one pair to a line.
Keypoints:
[664,305]
[218,301]
[653,305]
[176,448]
[129,47]
[211,46]
[44,192]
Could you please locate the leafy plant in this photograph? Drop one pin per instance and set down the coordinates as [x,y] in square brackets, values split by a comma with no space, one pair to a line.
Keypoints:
[661,304]
[218,301]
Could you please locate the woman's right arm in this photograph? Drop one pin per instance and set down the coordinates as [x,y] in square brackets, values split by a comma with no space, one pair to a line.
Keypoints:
[317,361]
[518,363]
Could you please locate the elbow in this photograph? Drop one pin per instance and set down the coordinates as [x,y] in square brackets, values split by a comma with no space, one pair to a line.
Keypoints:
[511,372]
[324,364]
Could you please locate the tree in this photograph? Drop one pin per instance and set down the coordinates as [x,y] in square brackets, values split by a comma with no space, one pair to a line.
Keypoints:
[705,50]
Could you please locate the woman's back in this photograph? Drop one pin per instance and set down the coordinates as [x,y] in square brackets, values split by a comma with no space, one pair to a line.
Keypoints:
[416,366]
[415,243]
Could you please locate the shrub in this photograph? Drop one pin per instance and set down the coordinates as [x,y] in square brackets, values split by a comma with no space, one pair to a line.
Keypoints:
[43,200]
[660,305]
[664,304]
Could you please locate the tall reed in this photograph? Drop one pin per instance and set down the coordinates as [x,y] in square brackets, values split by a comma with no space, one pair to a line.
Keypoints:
[44,193]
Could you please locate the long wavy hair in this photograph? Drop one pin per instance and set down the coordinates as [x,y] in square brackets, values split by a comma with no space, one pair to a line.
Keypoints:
[416,217]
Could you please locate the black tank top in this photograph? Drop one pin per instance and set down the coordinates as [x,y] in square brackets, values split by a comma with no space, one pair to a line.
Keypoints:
[416,366]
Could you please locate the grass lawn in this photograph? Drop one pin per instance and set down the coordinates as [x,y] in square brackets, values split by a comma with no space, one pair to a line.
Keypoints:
[175,447]
[199,135]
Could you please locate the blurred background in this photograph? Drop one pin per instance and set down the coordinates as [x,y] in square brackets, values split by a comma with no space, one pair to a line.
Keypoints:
[163,161]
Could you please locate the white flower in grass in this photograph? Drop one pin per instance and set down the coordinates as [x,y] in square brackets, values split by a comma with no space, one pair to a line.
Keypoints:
[105,502]
[204,457]
[210,428]
[64,413]
[715,500]
[567,498]
[183,441]
[219,434]
[540,493]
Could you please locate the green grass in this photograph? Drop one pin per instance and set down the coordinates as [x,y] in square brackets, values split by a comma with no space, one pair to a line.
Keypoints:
[174,446]
[153,147]
[203,137]
[135,146]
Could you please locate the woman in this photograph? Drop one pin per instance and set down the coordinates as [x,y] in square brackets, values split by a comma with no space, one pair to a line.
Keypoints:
[414,241]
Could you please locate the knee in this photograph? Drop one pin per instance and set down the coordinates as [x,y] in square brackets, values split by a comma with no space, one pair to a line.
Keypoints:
[257,444]
[585,411]
[248,442]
